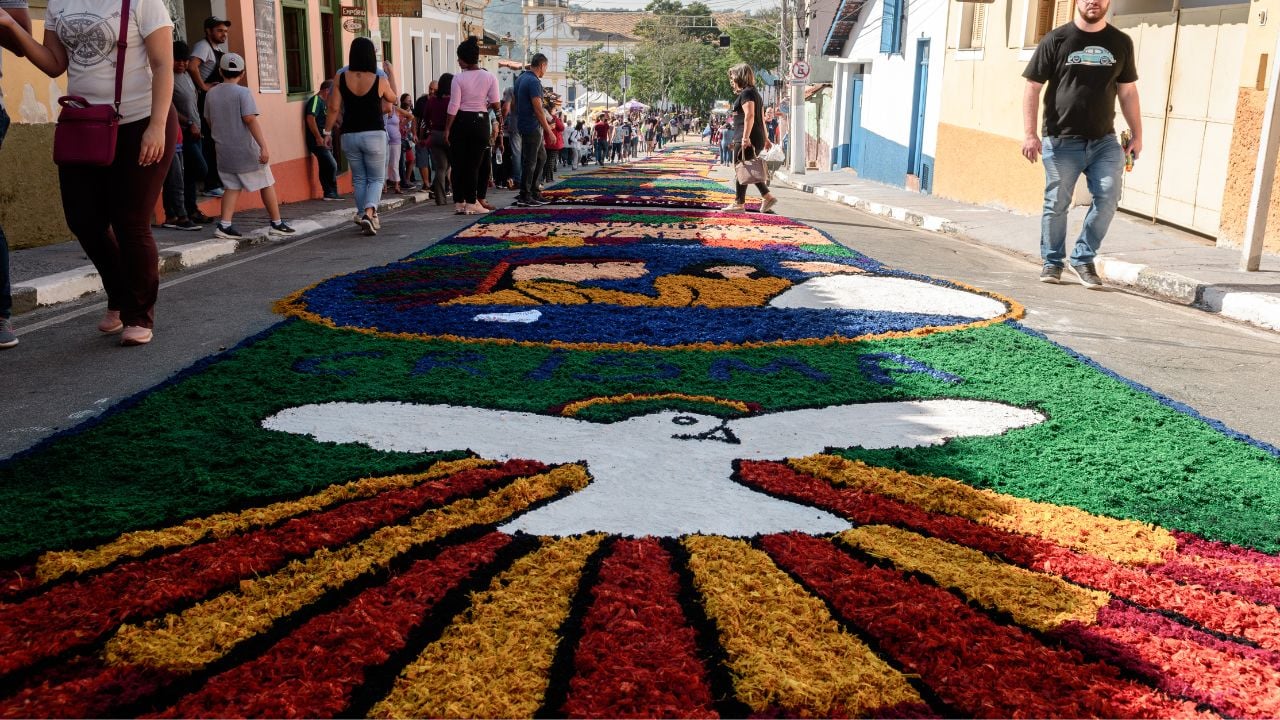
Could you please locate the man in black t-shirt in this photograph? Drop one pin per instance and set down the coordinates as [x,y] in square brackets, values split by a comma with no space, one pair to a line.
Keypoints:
[1086,64]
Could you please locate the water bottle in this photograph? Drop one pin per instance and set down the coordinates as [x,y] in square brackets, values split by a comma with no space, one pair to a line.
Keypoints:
[497,156]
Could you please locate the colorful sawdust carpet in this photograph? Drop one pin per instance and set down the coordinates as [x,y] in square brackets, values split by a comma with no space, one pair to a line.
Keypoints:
[599,462]
[684,191]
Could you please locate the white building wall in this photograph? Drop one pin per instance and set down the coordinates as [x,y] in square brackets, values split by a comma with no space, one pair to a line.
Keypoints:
[888,87]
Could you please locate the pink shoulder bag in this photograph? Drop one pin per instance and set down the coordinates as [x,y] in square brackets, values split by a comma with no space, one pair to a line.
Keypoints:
[86,134]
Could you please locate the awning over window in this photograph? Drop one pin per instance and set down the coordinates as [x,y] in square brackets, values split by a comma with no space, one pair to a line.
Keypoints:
[842,26]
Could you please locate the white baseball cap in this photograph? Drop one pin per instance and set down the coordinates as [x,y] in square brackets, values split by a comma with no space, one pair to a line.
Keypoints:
[232,62]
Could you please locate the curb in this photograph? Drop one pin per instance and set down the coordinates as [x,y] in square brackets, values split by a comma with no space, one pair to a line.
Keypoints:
[1259,309]
[79,282]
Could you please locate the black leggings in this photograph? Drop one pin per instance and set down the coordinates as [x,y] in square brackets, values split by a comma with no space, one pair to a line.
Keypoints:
[739,188]
[468,143]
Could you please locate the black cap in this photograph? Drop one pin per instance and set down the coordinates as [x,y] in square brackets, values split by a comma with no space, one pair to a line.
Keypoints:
[214,21]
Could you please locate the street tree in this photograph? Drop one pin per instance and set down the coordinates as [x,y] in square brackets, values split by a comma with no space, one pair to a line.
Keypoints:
[597,69]
[755,39]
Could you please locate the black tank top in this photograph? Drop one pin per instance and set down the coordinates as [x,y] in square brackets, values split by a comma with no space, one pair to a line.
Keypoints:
[360,113]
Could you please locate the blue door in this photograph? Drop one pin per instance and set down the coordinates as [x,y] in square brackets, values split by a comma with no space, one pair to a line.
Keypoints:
[915,153]
[853,149]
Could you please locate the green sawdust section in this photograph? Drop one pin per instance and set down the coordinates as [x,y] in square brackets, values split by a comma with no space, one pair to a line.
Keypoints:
[443,248]
[196,447]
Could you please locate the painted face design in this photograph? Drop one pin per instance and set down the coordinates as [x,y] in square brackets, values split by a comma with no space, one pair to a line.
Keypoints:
[644,294]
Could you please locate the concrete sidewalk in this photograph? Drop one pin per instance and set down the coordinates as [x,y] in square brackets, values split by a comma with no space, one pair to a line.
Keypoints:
[1156,260]
[62,272]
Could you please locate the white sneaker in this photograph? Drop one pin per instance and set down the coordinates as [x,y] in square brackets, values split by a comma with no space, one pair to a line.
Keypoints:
[734,207]
[767,204]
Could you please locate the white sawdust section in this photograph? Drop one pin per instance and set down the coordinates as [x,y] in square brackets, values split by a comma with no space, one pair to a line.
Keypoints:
[662,474]
[887,294]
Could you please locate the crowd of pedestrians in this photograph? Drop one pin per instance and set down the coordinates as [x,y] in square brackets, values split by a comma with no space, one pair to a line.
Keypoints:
[188,121]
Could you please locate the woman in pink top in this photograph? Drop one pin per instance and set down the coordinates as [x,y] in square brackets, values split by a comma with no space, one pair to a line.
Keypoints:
[474,92]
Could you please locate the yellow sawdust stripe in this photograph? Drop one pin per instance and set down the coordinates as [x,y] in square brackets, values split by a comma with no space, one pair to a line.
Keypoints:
[494,660]
[1038,601]
[784,649]
[1123,541]
[574,408]
[53,565]
[205,632]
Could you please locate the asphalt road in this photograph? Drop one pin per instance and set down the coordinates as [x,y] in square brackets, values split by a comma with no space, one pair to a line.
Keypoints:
[64,372]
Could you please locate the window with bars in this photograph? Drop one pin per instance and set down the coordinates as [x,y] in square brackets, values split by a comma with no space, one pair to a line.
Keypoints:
[891,26]
[973,26]
[297,62]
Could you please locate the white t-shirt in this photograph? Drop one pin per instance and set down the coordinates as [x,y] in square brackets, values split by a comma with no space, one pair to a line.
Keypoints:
[204,50]
[15,5]
[89,29]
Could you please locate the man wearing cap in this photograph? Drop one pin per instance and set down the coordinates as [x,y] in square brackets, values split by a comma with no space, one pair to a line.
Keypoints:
[203,67]
[233,123]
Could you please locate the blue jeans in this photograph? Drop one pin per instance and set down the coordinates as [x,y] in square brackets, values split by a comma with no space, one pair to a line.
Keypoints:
[6,297]
[326,167]
[1102,162]
[599,152]
[367,155]
[193,170]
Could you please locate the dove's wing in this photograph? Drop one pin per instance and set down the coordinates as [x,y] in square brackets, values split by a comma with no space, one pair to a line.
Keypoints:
[875,425]
[404,427]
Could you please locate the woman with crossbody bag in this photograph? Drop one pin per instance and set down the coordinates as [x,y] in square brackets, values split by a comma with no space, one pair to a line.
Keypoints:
[749,130]
[108,207]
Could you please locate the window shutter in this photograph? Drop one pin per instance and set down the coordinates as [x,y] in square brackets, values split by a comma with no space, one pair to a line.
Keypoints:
[976,37]
[890,26]
[1061,13]
[1045,13]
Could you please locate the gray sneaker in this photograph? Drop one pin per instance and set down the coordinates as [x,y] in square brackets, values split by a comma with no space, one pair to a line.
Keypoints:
[7,337]
[1088,276]
[1051,274]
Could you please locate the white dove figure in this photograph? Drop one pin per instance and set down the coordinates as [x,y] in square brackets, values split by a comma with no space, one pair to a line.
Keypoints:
[662,474]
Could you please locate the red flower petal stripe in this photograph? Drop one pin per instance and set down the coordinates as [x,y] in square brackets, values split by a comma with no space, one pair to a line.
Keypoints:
[308,674]
[1218,611]
[314,671]
[977,666]
[79,613]
[1245,681]
[638,657]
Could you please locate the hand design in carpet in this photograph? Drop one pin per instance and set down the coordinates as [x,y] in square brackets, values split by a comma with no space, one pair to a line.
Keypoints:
[665,473]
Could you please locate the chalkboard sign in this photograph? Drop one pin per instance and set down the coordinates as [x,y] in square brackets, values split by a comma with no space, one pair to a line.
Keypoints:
[264,16]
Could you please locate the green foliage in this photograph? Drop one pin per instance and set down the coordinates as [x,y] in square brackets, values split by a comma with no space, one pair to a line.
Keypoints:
[597,69]
[754,40]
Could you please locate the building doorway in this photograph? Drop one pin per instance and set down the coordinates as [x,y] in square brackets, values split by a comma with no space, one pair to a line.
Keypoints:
[1189,63]
[919,103]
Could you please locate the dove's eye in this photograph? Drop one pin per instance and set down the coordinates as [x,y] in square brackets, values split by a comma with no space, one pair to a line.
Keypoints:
[684,420]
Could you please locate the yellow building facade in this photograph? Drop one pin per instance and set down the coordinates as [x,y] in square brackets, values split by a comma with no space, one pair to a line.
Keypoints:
[1193,59]
[289,46]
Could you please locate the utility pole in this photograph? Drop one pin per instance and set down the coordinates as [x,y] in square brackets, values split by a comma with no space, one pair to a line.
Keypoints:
[798,149]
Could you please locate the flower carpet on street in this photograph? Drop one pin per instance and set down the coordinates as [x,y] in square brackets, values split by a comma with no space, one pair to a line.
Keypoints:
[683,191]
[643,461]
